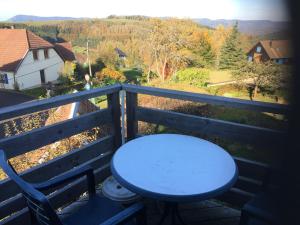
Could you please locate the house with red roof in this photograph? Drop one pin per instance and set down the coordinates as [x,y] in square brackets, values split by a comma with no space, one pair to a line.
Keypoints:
[27,60]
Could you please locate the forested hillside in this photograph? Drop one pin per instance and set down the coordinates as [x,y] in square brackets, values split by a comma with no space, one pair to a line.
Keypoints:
[136,36]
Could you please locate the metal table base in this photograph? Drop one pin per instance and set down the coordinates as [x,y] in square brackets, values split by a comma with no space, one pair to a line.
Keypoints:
[171,210]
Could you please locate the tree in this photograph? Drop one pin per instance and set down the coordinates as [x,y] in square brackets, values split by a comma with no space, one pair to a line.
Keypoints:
[66,74]
[231,52]
[206,51]
[263,75]
[167,42]
[98,65]
[219,35]
[106,51]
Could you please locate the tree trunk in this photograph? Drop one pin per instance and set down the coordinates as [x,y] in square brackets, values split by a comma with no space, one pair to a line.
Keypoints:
[156,62]
[255,91]
[164,69]
[148,75]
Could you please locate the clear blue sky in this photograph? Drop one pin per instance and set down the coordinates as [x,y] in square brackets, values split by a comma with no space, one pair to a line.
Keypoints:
[213,9]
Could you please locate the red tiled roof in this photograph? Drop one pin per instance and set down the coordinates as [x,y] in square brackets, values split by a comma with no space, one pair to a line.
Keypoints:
[14,44]
[80,57]
[65,51]
[62,113]
[36,42]
[277,49]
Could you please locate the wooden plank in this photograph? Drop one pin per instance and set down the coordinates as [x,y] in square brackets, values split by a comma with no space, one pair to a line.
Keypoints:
[220,221]
[248,184]
[39,105]
[19,218]
[251,169]
[132,125]
[216,100]
[114,104]
[57,165]
[12,205]
[236,197]
[15,204]
[206,126]
[59,198]
[197,215]
[28,141]
[209,214]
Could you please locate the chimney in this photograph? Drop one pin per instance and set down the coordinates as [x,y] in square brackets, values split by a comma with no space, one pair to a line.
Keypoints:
[270,43]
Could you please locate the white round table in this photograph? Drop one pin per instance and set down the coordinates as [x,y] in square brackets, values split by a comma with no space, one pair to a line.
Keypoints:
[174,168]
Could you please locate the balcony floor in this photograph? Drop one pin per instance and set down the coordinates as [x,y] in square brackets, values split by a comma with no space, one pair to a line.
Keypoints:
[209,212]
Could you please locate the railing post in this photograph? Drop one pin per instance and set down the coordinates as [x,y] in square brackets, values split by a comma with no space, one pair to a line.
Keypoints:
[132,125]
[113,101]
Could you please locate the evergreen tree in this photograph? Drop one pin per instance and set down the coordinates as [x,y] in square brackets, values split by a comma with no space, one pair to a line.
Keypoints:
[206,53]
[231,52]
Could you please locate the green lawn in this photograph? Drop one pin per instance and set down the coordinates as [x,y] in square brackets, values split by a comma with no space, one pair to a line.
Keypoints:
[217,76]
[266,120]
[133,75]
[38,92]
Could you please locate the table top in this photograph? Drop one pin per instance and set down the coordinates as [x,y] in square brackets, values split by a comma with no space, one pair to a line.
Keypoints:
[173,167]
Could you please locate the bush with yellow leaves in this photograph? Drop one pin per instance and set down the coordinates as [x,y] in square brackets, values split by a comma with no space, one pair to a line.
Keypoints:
[110,76]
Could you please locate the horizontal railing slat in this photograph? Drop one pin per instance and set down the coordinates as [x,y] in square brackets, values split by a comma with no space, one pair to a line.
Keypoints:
[68,193]
[236,197]
[252,169]
[58,165]
[216,100]
[36,138]
[19,218]
[39,105]
[206,126]
[248,184]
[11,205]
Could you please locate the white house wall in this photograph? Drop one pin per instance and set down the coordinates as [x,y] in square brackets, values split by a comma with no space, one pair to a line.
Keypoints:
[28,74]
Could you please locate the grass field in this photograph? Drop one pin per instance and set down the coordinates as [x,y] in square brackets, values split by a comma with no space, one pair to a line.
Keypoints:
[266,120]
[217,76]
[38,92]
[133,75]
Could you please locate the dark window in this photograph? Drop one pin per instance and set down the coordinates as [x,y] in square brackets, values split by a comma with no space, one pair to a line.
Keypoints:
[46,53]
[3,78]
[42,75]
[280,61]
[35,55]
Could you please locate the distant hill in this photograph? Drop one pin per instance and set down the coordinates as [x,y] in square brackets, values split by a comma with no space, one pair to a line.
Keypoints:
[284,34]
[28,18]
[251,27]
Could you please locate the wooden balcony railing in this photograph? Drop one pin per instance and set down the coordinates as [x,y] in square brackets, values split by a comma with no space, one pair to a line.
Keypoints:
[98,153]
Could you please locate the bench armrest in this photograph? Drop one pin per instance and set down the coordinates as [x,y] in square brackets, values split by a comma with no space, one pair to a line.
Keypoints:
[68,177]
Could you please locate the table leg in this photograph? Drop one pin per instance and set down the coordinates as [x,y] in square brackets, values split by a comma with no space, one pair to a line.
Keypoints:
[171,209]
[165,214]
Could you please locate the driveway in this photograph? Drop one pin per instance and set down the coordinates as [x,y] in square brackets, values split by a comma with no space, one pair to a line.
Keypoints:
[9,98]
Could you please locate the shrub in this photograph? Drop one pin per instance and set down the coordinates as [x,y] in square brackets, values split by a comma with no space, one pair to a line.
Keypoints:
[194,76]
[68,70]
[110,76]
[64,80]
